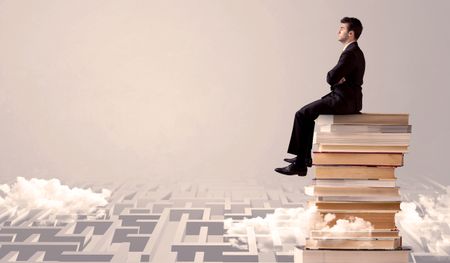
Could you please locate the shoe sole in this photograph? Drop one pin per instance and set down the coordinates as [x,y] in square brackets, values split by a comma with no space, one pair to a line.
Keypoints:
[291,174]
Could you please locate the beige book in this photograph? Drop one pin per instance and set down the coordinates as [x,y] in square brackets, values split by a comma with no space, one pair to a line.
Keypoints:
[378,220]
[352,256]
[372,128]
[351,234]
[359,198]
[362,138]
[371,216]
[376,159]
[356,182]
[356,211]
[360,148]
[315,190]
[364,118]
[368,206]
[354,243]
[354,172]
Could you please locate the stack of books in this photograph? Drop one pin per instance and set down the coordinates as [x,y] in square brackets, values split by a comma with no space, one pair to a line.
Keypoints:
[355,157]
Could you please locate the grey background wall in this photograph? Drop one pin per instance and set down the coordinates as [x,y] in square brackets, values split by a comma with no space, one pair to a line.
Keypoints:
[134,89]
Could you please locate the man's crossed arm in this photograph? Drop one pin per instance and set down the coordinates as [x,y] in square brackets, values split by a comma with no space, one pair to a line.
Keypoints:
[344,66]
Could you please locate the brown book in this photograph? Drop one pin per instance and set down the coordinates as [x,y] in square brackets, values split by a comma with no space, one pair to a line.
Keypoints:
[375,159]
[360,148]
[351,234]
[354,243]
[384,220]
[358,198]
[349,206]
[354,172]
[364,118]
[400,255]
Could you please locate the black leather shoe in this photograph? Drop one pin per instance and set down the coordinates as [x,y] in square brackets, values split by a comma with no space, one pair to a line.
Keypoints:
[290,160]
[308,160]
[292,169]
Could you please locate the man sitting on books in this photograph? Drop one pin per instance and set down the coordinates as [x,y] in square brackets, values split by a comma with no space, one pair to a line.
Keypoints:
[345,97]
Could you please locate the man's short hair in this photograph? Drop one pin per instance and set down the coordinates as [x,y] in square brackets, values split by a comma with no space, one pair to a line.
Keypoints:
[353,25]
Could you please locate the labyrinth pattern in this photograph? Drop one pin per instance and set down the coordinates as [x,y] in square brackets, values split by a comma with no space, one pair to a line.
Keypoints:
[168,221]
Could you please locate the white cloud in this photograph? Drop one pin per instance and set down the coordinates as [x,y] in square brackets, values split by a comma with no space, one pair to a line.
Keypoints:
[50,195]
[430,227]
[289,226]
[343,225]
[427,221]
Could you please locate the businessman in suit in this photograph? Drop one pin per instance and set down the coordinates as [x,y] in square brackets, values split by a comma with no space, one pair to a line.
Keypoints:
[345,80]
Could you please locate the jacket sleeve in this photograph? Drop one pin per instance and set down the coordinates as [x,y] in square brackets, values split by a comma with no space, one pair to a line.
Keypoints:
[342,69]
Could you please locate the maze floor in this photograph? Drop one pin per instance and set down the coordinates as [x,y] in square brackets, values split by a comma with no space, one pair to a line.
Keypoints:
[166,221]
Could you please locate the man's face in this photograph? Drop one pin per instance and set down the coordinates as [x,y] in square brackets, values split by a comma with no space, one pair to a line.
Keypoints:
[343,34]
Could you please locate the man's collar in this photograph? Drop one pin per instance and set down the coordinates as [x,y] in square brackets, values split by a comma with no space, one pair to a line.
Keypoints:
[345,47]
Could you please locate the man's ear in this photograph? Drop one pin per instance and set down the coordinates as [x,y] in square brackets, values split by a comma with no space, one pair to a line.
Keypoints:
[351,33]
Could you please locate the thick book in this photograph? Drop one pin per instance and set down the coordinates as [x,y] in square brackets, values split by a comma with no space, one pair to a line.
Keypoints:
[355,182]
[354,243]
[363,118]
[387,139]
[354,172]
[315,190]
[361,128]
[351,234]
[400,255]
[374,159]
[326,147]
[349,206]
[381,198]
[379,219]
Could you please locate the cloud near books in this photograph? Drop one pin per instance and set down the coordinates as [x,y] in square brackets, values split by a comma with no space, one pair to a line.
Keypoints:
[50,195]
[427,221]
[424,220]
[289,226]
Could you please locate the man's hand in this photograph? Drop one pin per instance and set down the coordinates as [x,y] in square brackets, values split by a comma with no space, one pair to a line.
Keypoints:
[342,80]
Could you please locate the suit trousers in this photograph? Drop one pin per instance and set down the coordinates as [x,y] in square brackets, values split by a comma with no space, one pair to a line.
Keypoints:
[303,130]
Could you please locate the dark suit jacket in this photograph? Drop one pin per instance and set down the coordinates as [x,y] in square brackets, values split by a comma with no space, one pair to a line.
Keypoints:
[351,66]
